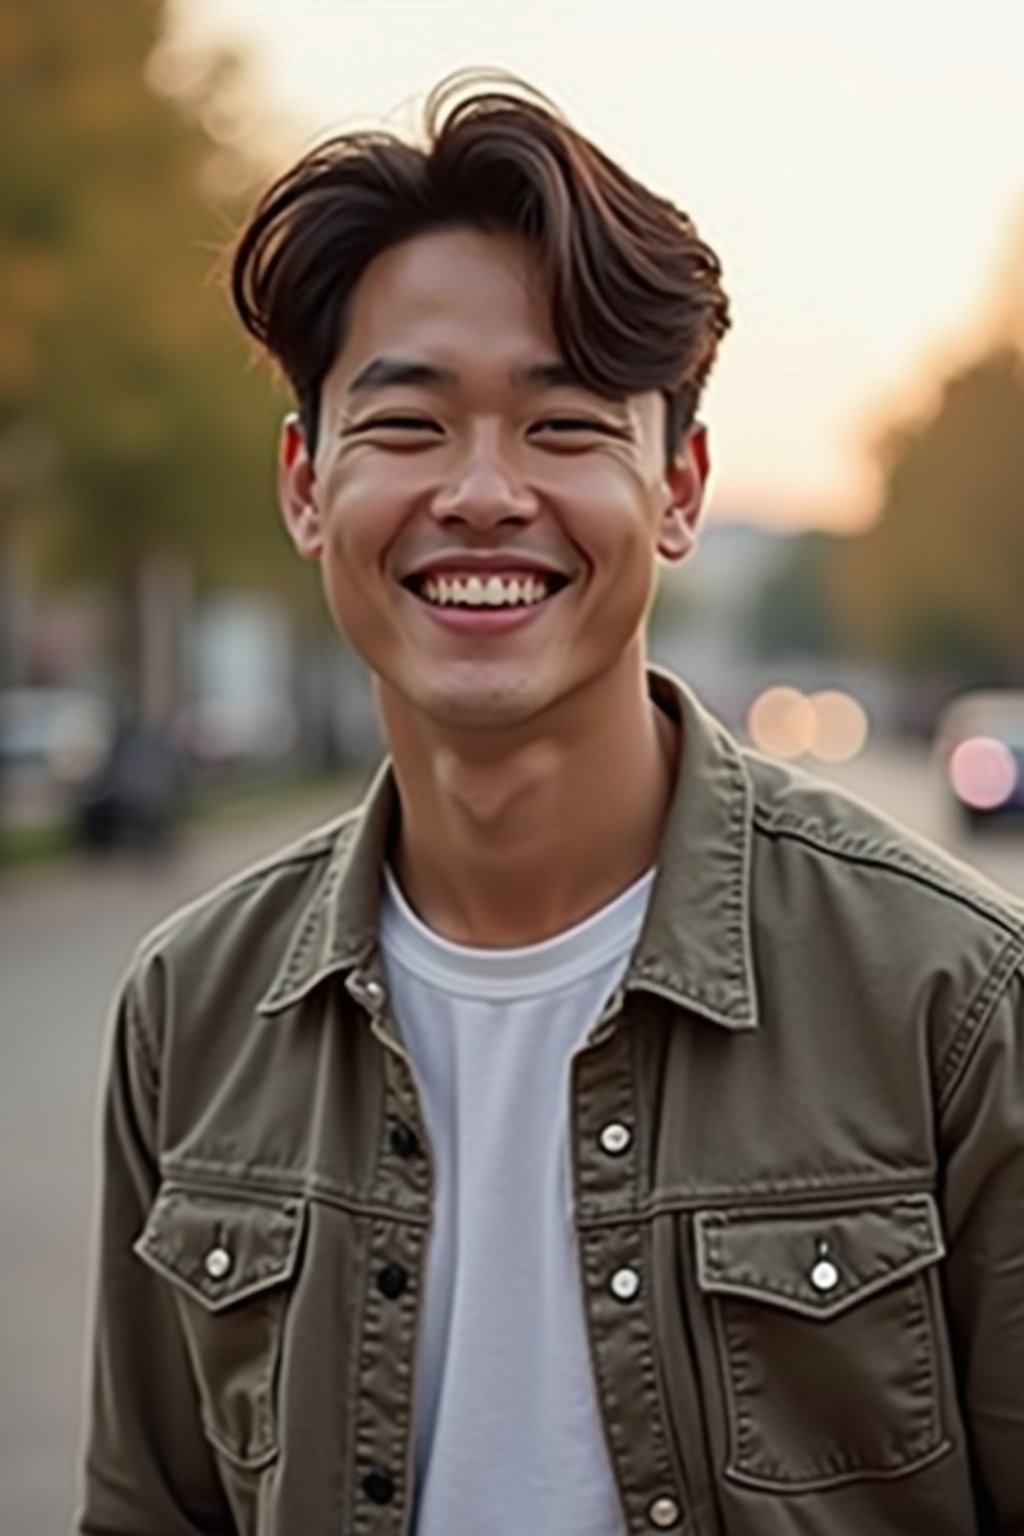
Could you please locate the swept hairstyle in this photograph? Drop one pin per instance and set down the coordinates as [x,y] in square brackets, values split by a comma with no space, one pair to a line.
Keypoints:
[636,297]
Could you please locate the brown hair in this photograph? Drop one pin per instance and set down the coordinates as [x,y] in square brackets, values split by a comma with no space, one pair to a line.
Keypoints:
[636,297]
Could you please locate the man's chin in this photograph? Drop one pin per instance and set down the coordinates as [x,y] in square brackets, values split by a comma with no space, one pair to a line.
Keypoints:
[493,702]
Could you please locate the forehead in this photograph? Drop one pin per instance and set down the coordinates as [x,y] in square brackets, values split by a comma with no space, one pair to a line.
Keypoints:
[459,298]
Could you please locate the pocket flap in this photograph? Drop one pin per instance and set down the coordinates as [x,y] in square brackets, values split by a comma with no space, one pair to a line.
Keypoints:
[221,1249]
[816,1263]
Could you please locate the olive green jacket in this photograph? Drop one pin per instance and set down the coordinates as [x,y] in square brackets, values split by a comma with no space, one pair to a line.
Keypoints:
[817,1054]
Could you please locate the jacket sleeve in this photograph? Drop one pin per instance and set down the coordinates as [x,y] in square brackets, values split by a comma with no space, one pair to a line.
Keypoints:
[148,1468]
[983,1135]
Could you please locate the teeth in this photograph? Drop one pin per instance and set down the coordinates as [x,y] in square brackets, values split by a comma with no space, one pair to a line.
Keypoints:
[495,592]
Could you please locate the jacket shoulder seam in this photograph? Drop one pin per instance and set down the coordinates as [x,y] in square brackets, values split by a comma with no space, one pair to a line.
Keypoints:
[140,1040]
[317,847]
[977,1015]
[853,849]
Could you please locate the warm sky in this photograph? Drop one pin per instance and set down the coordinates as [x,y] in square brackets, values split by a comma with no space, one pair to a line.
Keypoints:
[858,168]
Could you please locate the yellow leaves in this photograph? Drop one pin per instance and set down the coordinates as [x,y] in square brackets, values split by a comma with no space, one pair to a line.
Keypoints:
[19,361]
[111,330]
[34,281]
[15,35]
[940,575]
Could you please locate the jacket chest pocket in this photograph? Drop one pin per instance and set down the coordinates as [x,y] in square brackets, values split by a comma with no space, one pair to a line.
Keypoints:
[230,1261]
[825,1333]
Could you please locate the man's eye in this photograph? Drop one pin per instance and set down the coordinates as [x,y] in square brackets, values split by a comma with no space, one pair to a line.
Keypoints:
[569,424]
[397,424]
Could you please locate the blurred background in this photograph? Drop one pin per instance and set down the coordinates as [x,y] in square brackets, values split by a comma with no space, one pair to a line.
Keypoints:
[172,701]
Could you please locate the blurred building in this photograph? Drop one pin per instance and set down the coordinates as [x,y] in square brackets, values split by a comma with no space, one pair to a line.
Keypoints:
[705,631]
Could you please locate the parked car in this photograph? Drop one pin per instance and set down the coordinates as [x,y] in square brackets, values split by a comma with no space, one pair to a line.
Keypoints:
[50,739]
[136,793]
[980,743]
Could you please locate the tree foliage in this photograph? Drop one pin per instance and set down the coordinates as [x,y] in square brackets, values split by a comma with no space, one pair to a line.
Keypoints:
[791,611]
[116,342]
[937,583]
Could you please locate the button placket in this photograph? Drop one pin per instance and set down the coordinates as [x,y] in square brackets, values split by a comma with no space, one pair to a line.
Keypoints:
[616,1266]
[604,1126]
[394,1261]
[403,1179]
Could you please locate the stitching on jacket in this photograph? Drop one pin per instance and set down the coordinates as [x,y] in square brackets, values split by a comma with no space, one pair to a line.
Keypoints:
[771,1285]
[363,1445]
[666,1450]
[225,1178]
[741,829]
[637,1152]
[978,1014]
[856,848]
[143,1046]
[702,1000]
[912,1217]
[313,927]
[843,1196]
[752,1466]
[322,845]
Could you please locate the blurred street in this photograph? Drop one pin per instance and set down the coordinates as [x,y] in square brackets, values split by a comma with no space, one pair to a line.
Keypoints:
[853,603]
[65,936]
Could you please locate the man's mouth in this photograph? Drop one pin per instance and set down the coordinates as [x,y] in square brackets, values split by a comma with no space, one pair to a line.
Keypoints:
[485,591]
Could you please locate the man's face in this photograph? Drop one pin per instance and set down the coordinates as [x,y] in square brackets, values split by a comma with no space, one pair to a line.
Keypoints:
[451,432]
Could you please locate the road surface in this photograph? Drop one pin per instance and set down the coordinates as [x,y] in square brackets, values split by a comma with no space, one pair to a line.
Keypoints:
[65,937]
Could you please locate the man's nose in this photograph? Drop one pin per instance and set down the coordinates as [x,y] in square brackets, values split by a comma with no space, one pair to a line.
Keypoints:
[485,486]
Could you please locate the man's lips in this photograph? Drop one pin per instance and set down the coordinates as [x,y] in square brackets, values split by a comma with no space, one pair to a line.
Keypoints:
[484,619]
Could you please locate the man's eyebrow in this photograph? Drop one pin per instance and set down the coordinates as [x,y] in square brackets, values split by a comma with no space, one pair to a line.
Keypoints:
[388,372]
[559,373]
[395,372]
[552,374]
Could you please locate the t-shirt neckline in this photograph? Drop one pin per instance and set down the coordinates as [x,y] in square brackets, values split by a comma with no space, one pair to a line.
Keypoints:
[605,935]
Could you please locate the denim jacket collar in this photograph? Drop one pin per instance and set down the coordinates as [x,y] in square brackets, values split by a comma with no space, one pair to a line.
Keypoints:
[695,945]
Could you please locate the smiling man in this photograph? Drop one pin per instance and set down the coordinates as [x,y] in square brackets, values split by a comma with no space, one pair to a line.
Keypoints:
[486,522]
[602,1129]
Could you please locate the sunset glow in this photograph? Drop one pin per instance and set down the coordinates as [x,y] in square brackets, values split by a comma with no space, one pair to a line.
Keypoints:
[860,173]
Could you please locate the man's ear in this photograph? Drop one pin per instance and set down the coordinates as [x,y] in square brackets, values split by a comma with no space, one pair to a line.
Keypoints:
[685,482]
[296,490]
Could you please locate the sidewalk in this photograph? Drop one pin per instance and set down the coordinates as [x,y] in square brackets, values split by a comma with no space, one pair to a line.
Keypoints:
[66,934]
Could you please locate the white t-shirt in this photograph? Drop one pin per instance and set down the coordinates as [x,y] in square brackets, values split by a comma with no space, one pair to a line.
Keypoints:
[508,1435]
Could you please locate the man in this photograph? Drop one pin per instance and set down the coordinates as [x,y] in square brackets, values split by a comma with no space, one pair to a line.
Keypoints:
[603,1129]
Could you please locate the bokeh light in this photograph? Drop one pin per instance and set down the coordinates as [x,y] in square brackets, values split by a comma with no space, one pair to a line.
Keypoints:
[983,772]
[830,725]
[781,722]
[841,726]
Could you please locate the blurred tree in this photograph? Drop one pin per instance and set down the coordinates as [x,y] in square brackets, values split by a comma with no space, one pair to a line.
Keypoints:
[791,611]
[937,583]
[116,342]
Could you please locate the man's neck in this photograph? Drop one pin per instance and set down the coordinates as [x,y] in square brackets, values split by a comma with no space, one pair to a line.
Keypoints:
[507,850]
